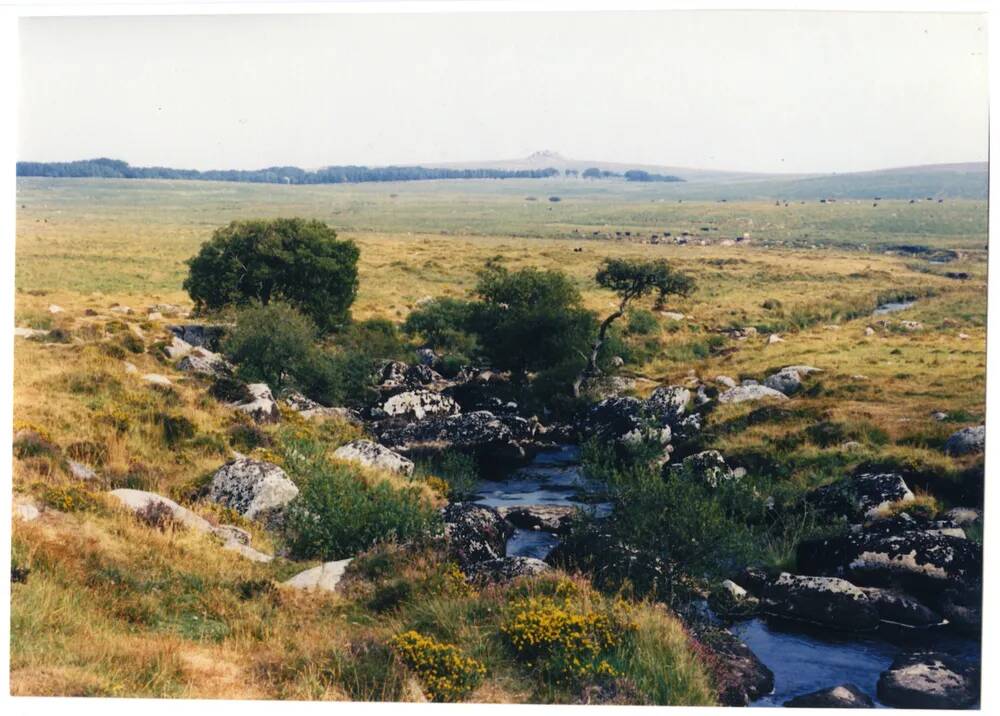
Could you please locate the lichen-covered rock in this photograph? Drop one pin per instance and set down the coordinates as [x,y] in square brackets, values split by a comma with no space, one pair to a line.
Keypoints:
[137,500]
[157,380]
[419,404]
[829,601]
[325,578]
[668,403]
[627,421]
[475,533]
[310,409]
[261,407]
[843,696]
[708,466]
[25,509]
[397,377]
[369,454]
[256,489]
[900,608]
[784,381]
[966,441]
[929,681]
[504,569]
[547,518]
[482,432]
[80,471]
[862,496]
[178,348]
[201,361]
[963,515]
[745,393]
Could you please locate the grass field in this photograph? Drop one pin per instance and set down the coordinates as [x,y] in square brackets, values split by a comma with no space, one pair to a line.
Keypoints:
[116,608]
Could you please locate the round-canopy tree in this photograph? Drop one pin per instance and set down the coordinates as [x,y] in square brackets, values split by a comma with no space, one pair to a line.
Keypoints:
[300,262]
[632,279]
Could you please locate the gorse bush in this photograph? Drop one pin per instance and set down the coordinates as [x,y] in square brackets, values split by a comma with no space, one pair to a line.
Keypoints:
[338,514]
[445,674]
[566,642]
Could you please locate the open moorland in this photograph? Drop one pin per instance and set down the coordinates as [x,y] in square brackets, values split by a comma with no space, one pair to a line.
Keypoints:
[191,603]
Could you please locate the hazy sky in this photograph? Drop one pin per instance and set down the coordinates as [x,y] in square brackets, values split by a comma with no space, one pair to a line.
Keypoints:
[760,91]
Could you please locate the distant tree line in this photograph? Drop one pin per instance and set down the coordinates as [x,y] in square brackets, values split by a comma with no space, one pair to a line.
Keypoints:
[639,175]
[117,169]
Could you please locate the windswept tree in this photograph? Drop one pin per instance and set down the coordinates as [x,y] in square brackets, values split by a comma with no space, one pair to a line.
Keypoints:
[293,260]
[632,280]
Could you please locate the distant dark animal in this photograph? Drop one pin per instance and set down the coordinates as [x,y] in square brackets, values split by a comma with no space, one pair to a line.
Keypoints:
[578,250]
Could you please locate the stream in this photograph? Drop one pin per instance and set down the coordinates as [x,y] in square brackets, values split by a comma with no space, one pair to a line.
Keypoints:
[892,307]
[803,658]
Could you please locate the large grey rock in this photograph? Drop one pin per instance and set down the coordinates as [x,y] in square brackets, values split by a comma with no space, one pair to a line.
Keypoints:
[900,608]
[261,407]
[784,381]
[668,403]
[157,380]
[369,454]
[626,421]
[482,432]
[419,404]
[546,518]
[311,410]
[862,496]
[475,533]
[745,393]
[137,500]
[505,569]
[829,601]
[929,681]
[966,441]
[844,696]
[178,348]
[257,490]
[708,466]
[201,361]
[325,578]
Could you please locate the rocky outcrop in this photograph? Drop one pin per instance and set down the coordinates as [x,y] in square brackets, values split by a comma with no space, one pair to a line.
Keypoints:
[262,407]
[475,533]
[708,466]
[966,441]
[201,361]
[419,404]
[257,490]
[929,681]
[829,601]
[482,432]
[373,455]
[397,377]
[201,335]
[862,496]
[504,569]
[786,380]
[325,578]
[626,421]
[546,518]
[898,607]
[745,393]
[844,696]
[311,410]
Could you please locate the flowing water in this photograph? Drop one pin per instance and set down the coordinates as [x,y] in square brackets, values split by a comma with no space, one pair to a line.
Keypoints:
[803,658]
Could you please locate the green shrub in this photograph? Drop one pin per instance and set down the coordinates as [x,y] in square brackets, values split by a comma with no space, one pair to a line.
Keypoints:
[270,342]
[444,324]
[345,378]
[641,322]
[176,428]
[377,337]
[337,514]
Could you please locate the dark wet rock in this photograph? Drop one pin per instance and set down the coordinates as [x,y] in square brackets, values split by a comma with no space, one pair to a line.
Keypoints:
[929,680]
[625,421]
[754,580]
[504,569]
[419,404]
[482,432]
[829,601]
[861,496]
[257,490]
[546,518]
[844,696]
[898,607]
[373,455]
[731,601]
[916,561]
[966,441]
[201,335]
[740,677]
[475,533]
[963,608]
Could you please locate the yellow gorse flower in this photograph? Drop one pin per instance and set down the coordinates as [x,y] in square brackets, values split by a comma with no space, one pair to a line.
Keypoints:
[444,672]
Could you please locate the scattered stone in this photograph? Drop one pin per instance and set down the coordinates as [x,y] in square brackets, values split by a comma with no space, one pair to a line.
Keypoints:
[504,569]
[418,404]
[154,316]
[725,380]
[20,332]
[25,509]
[829,601]
[963,336]
[80,471]
[257,490]
[324,578]
[54,309]
[166,309]
[157,379]
[774,338]
[370,454]
[784,381]
[124,310]
[741,334]
[939,415]
[929,681]
[178,348]
[475,533]
[844,696]
[911,325]
[673,315]
[869,331]
[744,393]
[262,407]
[129,367]
[966,441]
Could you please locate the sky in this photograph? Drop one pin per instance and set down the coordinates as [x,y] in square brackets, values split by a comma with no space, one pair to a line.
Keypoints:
[749,91]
